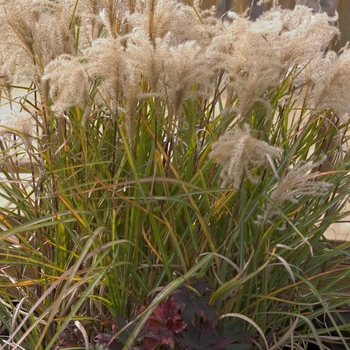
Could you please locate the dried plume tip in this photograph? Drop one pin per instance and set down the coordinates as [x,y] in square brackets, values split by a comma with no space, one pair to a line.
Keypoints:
[331,84]
[240,154]
[19,123]
[68,82]
[300,181]
[297,182]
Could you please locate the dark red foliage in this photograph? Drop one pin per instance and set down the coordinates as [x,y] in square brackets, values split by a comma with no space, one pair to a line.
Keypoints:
[162,326]
[194,301]
[198,336]
[184,321]
[109,336]
[110,339]
[71,336]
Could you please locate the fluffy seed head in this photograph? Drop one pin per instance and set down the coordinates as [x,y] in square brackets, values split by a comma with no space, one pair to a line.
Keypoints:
[300,181]
[68,82]
[241,154]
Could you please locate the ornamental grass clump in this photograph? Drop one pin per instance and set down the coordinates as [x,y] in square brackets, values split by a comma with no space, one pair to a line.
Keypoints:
[169,179]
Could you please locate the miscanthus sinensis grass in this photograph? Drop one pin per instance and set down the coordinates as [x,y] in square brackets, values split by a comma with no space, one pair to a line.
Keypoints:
[165,144]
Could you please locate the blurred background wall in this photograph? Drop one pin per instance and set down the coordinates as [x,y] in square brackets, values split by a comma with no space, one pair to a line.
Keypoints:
[328,6]
[240,6]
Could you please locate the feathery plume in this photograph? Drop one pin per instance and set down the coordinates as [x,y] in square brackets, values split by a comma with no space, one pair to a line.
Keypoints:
[258,59]
[68,82]
[106,61]
[241,154]
[187,74]
[176,72]
[169,17]
[150,67]
[300,181]
[19,123]
[331,88]
[304,34]
[32,33]
[325,80]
